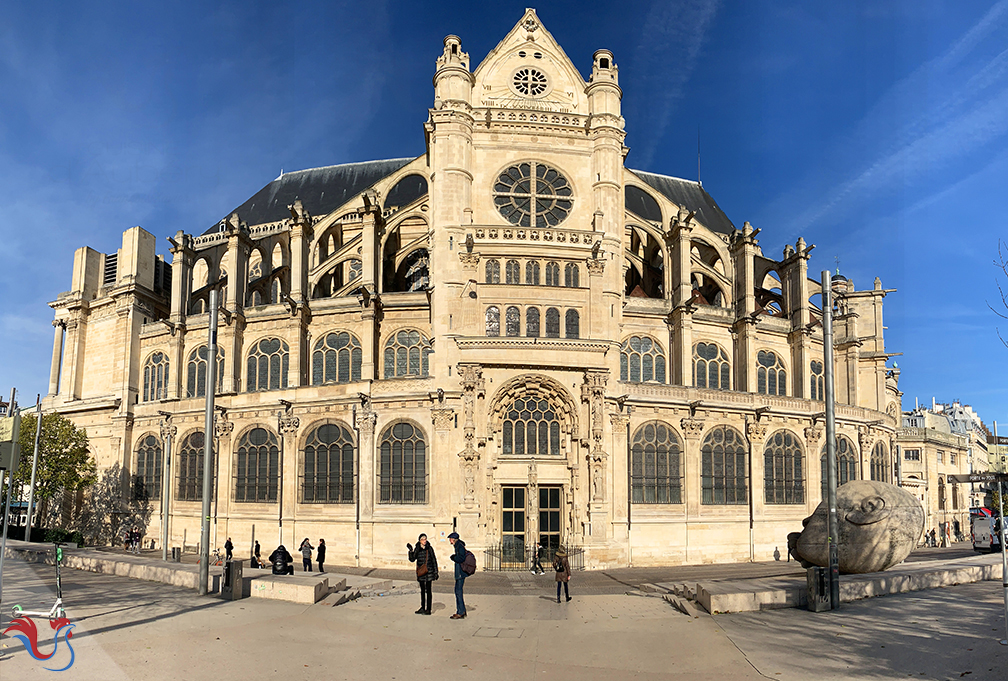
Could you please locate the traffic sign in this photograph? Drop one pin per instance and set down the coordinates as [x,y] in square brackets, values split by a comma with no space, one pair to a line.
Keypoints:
[980,477]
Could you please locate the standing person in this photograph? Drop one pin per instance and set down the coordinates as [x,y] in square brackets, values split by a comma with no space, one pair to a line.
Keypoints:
[537,567]
[228,549]
[258,556]
[563,573]
[320,554]
[306,549]
[426,571]
[458,557]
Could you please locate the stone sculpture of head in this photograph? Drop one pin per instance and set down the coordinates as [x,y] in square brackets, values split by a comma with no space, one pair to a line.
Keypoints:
[879,525]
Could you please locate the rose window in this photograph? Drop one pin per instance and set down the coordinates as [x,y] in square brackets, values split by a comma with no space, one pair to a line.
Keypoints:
[530,82]
[533,195]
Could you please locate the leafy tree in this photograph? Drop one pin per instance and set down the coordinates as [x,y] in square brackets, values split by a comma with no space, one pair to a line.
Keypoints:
[996,501]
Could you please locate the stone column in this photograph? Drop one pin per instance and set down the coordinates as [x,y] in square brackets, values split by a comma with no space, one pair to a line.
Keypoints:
[366,419]
[866,440]
[221,508]
[288,425]
[471,378]
[756,433]
[168,431]
[301,235]
[620,475]
[594,325]
[54,371]
[692,429]
[813,467]
[76,328]
[743,250]
[600,494]
[442,483]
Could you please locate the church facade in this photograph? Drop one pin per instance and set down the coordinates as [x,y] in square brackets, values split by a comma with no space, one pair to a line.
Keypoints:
[513,335]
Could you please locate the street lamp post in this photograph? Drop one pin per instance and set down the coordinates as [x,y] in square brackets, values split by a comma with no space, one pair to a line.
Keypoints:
[208,449]
[831,465]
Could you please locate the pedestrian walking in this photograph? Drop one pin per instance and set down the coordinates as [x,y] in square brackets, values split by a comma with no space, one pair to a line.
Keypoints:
[257,553]
[306,549]
[426,571]
[320,554]
[281,560]
[537,567]
[563,573]
[228,549]
[458,557]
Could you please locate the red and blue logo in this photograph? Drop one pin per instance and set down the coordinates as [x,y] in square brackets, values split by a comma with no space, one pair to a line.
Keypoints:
[24,628]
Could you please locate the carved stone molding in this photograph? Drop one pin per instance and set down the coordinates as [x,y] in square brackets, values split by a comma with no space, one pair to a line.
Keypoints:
[289,424]
[593,392]
[619,420]
[812,435]
[595,266]
[222,426]
[470,261]
[866,438]
[692,428]
[756,431]
[167,428]
[443,418]
[366,422]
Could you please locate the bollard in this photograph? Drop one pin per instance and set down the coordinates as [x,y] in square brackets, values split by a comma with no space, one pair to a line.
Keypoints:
[231,587]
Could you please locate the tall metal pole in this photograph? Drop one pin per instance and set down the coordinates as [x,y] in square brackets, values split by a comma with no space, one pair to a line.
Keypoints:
[31,487]
[1004,557]
[831,465]
[10,485]
[208,439]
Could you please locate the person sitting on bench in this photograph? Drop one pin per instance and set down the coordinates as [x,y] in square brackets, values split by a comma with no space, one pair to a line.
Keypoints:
[282,561]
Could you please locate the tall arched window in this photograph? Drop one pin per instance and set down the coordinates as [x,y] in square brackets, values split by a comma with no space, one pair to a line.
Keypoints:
[531,428]
[771,378]
[493,271]
[572,324]
[711,368]
[196,371]
[512,272]
[723,467]
[552,274]
[147,474]
[155,378]
[267,365]
[512,321]
[941,493]
[642,360]
[190,468]
[816,381]
[880,463]
[407,354]
[572,275]
[532,272]
[336,359]
[257,466]
[532,322]
[955,495]
[552,322]
[416,267]
[402,475]
[656,465]
[328,466]
[783,471]
[493,321]
[846,457]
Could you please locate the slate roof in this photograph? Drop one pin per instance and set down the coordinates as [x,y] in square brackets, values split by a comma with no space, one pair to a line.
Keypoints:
[691,195]
[321,190]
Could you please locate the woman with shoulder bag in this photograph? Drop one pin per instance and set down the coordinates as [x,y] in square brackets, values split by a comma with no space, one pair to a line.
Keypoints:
[426,571]
[563,573]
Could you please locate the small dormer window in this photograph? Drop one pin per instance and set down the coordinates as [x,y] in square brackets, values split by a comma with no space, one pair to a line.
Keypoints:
[454,49]
[603,63]
[530,82]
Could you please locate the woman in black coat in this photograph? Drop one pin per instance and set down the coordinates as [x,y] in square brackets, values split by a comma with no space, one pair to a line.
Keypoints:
[427,570]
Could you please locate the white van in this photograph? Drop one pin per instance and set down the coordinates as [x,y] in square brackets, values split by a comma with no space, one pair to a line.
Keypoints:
[984,531]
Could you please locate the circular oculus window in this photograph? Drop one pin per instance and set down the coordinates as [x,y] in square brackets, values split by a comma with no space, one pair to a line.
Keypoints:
[530,82]
[532,194]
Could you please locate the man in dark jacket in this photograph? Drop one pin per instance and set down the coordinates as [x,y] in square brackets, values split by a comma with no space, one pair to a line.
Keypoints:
[228,549]
[282,560]
[458,558]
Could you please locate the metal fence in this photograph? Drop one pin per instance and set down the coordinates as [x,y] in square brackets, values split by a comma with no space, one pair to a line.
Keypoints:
[499,558]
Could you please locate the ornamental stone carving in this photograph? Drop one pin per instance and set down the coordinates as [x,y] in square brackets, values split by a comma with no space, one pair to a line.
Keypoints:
[167,428]
[756,430]
[366,422]
[595,266]
[866,438]
[812,435]
[442,418]
[289,424]
[222,427]
[692,428]
[593,392]
[470,261]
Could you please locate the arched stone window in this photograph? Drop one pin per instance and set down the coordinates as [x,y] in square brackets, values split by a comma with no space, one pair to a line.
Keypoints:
[846,457]
[955,496]
[783,469]
[328,466]
[941,493]
[512,272]
[572,324]
[402,474]
[493,271]
[266,368]
[531,428]
[880,463]
[196,371]
[552,274]
[642,360]
[512,321]
[816,381]
[336,359]
[572,275]
[257,467]
[406,354]
[147,474]
[532,322]
[416,267]
[711,367]
[552,322]
[493,321]
[723,467]
[155,378]
[532,272]
[656,465]
[771,378]
[190,468]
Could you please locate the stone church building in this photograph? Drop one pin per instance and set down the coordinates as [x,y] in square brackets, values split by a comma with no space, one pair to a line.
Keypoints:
[513,335]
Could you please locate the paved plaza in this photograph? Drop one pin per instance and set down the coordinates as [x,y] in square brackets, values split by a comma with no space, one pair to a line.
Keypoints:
[131,629]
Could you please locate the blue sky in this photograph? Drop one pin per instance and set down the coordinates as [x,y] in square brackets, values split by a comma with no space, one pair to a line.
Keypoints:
[877,130]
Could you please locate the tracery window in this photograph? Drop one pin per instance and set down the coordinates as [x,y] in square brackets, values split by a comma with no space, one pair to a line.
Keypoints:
[417,272]
[880,463]
[642,360]
[552,322]
[531,428]
[512,321]
[512,271]
[656,465]
[783,469]
[155,378]
[533,194]
[532,272]
[147,474]
[336,359]
[572,275]
[846,457]
[190,468]
[266,367]
[493,271]
[711,368]
[941,493]
[771,378]
[552,274]
[572,324]
[196,371]
[816,381]
[723,467]
[493,321]
[328,466]
[532,322]
[530,82]
[402,474]
[257,467]
[406,354]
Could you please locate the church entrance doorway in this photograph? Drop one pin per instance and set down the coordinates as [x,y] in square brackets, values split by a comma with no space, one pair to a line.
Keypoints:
[513,527]
[549,519]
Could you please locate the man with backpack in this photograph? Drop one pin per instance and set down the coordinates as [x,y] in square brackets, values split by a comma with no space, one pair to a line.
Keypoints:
[465,565]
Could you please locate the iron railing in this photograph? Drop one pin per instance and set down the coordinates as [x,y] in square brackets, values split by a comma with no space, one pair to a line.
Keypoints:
[500,558]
